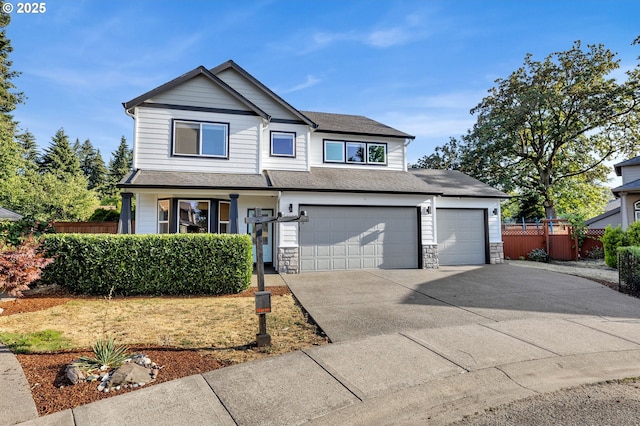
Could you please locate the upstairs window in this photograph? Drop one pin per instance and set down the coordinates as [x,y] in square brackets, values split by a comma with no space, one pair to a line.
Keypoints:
[200,139]
[355,152]
[283,144]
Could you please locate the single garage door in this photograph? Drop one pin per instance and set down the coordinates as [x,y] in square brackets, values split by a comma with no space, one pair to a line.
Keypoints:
[461,236]
[340,238]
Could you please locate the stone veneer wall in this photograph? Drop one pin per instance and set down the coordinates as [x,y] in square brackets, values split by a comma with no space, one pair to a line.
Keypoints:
[288,261]
[496,253]
[430,256]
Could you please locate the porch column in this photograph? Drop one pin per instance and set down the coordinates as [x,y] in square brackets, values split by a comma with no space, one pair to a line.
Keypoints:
[624,213]
[124,224]
[233,213]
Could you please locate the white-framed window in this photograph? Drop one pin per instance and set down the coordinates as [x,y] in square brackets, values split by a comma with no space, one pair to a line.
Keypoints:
[636,210]
[202,139]
[223,217]
[193,216]
[354,152]
[163,216]
[283,144]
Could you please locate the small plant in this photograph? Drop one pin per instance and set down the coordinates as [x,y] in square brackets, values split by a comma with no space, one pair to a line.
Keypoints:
[107,355]
[21,265]
[538,255]
[596,253]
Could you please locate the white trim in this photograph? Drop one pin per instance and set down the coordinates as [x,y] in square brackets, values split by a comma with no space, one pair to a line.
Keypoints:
[224,126]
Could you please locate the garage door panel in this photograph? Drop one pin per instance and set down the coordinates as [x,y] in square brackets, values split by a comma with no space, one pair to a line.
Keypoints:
[360,237]
[461,236]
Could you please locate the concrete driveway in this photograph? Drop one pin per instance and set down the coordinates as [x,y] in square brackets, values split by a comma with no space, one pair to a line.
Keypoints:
[350,305]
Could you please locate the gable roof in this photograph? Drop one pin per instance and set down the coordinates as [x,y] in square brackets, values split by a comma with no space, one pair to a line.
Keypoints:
[199,71]
[6,214]
[635,161]
[452,183]
[232,65]
[353,124]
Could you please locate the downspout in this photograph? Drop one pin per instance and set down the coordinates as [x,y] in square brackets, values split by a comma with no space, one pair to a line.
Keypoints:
[264,125]
[407,141]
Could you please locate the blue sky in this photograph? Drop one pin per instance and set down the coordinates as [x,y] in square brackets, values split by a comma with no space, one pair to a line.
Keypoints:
[419,66]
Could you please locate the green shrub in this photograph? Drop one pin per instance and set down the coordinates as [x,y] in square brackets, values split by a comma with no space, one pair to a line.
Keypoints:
[104,215]
[632,234]
[629,268]
[14,233]
[182,264]
[611,240]
[538,255]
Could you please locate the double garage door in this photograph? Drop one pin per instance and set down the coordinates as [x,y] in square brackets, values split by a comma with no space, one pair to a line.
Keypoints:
[462,239]
[341,238]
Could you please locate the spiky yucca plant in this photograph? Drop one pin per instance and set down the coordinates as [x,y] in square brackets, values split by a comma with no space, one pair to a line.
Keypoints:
[107,354]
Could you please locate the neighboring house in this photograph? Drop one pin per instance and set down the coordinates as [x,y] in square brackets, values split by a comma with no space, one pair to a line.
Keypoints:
[611,216]
[6,214]
[629,195]
[212,145]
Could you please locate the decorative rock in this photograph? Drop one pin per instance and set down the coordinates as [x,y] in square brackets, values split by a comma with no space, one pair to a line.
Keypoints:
[101,387]
[73,374]
[129,373]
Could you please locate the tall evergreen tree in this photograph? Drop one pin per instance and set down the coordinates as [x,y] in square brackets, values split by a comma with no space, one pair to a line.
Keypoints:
[119,165]
[98,173]
[59,158]
[29,148]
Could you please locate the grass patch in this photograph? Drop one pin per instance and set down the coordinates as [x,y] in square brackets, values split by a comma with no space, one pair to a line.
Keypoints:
[226,326]
[37,342]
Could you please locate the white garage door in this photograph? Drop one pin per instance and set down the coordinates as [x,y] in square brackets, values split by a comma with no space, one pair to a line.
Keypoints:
[461,236]
[339,238]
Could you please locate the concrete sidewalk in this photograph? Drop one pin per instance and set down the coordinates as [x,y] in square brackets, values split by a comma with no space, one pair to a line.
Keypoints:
[414,347]
[428,376]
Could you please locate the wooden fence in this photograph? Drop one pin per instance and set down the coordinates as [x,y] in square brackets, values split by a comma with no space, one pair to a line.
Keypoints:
[552,236]
[89,227]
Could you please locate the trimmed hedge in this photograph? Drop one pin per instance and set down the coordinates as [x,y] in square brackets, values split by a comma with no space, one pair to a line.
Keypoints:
[176,264]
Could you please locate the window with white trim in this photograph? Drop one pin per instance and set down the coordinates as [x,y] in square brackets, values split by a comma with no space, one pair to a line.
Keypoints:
[354,152]
[636,210]
[283,144]
[193,216]
[203,139]
[163,216]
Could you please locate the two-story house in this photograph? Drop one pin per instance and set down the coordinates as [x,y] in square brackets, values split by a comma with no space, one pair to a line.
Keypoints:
[213,145]
[626,209]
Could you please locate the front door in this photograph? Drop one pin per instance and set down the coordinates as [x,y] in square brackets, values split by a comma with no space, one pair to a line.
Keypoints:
[267,232]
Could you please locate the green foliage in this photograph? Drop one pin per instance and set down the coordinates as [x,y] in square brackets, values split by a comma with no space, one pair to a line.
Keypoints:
[611,240]
[632,234]
[596,253]
[538,255]
[629,269]
[149,264]
[59,159]
[549,127]
[104,215]
[36,342]
[119,165]
[106,353]
[14,232]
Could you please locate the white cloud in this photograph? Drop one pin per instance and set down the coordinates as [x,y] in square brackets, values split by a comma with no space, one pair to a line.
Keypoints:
[311,81]
[388,37]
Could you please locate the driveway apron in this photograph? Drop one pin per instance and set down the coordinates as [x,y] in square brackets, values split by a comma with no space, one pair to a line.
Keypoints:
[350,305]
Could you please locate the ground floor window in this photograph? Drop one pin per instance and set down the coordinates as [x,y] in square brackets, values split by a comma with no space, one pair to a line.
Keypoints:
[163,216]
[223,217]
[193,216]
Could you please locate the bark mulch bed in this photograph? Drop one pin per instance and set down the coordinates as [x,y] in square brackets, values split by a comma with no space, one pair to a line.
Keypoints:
[45,372]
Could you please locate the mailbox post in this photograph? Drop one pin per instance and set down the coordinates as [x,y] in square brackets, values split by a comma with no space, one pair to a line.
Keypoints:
[263,298]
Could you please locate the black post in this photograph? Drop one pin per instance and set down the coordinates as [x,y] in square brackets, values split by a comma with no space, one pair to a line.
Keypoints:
[124,223]
[262,338]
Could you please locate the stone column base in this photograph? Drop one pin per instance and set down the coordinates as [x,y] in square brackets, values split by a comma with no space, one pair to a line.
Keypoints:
[430,256]
[288,261]
[496,253]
